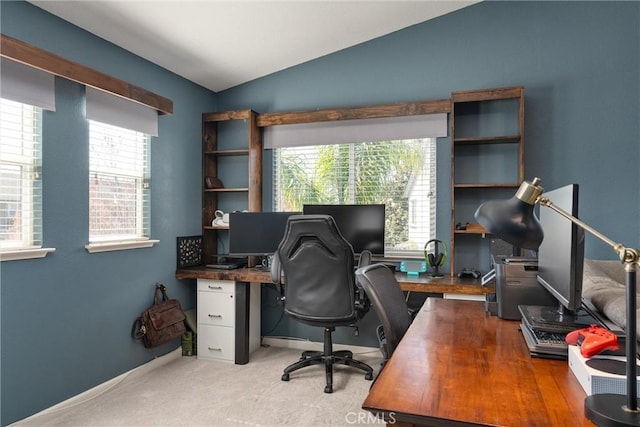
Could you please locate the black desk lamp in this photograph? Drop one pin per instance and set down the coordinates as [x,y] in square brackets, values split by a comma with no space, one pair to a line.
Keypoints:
[513,221]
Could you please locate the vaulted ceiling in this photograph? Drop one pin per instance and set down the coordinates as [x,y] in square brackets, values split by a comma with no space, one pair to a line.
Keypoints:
[223,43]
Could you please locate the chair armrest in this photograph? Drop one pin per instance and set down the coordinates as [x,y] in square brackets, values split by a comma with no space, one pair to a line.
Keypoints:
[366,258]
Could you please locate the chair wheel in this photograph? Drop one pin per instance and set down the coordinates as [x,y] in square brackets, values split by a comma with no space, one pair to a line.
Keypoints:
[368,376]
[328,389]
[285,377]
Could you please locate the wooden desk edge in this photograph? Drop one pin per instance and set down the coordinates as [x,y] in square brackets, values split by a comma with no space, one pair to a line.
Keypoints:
[407,283]
[443,377]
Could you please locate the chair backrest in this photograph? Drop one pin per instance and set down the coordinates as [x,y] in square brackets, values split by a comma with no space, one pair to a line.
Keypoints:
[388,301]
[317,265]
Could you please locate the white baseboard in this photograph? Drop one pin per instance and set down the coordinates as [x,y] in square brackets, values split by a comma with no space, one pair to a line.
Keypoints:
[40,418]
[302,344]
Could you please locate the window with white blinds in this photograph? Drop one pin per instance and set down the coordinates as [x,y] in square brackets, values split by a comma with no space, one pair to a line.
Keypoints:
[400,174]
[20,175]
[119,184]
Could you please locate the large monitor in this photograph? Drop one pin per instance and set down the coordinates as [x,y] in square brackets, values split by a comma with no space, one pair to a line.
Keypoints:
[256,233]
[561,253]
[560,265]
[362,225]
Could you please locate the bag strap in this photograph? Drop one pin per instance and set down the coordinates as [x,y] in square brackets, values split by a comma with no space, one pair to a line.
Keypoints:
[163,290]
[138,330]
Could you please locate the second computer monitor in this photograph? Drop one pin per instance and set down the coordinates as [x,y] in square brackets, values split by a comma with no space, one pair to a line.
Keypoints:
[362,225]
[256,233]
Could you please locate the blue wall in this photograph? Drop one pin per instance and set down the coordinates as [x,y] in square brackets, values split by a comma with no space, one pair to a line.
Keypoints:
[579,64]
[66,319]
[578,61]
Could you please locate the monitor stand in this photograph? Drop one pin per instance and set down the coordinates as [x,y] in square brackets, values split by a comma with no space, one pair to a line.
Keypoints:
[556,319]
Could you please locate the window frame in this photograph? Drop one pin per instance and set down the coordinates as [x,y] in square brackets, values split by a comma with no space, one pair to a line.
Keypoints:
[141,239]
[31,235]
[425,175]
[395,110]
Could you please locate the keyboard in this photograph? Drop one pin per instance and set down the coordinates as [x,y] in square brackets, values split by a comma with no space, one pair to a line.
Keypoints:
[230,266]
[545,344]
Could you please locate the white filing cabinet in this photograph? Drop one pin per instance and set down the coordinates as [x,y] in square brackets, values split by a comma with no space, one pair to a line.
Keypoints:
[228,316]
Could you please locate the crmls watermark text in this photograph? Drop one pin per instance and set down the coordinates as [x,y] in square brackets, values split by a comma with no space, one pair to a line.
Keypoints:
[368,418]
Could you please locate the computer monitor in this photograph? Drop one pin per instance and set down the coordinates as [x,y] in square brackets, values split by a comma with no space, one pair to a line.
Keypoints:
[256,233]
[362,225]
[560,265]
[561,253]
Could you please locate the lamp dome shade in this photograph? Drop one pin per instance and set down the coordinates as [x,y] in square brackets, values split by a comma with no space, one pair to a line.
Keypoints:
[511,220]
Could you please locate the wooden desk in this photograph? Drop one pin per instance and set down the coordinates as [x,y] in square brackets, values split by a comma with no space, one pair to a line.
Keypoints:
[457,365]
[421,283]
[245,277]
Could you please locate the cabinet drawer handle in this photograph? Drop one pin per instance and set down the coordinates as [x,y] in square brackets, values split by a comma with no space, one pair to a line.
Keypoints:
[214,315]
[215,287]
[214,349]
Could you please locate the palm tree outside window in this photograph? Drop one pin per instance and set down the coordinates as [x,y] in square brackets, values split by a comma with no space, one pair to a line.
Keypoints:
[400,174]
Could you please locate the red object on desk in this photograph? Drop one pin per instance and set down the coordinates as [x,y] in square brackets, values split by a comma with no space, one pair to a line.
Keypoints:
[593,340]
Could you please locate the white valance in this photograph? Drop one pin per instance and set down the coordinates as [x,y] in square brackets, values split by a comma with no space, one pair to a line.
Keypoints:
[358,130]
[117,111]
[28,85]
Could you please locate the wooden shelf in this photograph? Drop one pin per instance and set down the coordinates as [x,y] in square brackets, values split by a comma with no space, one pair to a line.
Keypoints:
[223,116]
[507,139]
[497,185]
[216,227]
[227,190]
[215,126]
[488,94]
[483,232]
[483,167]
[227,153]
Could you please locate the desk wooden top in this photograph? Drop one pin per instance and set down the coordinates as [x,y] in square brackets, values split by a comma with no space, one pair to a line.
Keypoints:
[422,283]
[456,364]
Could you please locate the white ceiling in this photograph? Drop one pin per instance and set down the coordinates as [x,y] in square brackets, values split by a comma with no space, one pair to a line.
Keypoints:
[222,43]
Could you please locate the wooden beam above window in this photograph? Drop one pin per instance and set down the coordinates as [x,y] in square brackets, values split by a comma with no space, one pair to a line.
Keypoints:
[366,112]
[35,57]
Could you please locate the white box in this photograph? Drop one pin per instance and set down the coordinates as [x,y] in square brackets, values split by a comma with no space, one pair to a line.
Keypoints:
[595,381]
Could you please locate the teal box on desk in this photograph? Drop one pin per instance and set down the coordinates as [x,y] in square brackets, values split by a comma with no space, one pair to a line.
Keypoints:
[413,267]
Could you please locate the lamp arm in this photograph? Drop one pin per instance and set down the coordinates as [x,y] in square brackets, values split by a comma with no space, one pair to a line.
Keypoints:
[629,256]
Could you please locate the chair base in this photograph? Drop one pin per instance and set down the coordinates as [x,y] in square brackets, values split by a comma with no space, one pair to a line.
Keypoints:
[328,358]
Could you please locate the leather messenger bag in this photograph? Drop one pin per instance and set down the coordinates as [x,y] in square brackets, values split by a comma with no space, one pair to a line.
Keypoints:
[161,322]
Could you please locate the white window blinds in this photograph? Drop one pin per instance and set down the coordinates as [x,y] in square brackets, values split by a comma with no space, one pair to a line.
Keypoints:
[400,174]
[119,184]
[24,91]
[20,175]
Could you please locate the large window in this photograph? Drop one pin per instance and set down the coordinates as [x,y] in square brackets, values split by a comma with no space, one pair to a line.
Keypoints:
[400,174]
[20,176]
[119,184]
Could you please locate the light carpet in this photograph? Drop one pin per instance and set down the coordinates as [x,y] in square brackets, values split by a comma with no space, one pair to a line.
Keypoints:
[187,391]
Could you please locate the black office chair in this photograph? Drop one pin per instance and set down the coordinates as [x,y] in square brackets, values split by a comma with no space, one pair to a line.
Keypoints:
[317,265]
[389,303]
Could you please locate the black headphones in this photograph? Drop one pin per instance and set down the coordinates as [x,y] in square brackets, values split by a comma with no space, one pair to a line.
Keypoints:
[435,258]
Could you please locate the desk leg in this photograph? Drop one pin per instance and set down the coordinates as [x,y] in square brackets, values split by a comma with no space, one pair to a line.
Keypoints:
[242,322]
